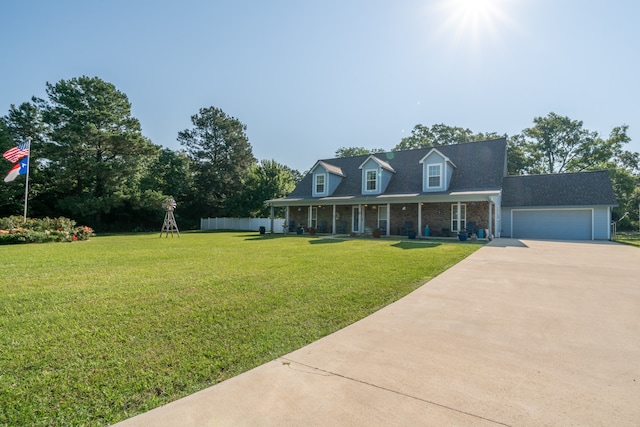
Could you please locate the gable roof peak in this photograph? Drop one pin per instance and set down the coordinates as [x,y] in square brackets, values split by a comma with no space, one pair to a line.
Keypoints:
[329,168]
[446,159]
[380,162]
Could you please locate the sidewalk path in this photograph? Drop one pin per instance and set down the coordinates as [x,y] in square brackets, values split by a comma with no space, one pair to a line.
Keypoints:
[521,333]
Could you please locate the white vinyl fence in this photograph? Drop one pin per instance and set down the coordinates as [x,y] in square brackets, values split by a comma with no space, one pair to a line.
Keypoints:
[244,224]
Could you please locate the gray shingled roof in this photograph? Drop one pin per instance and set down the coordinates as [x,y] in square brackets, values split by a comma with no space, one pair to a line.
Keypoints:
[566,189]
[480,166]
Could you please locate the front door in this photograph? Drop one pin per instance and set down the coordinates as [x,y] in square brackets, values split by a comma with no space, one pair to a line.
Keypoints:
[355,219]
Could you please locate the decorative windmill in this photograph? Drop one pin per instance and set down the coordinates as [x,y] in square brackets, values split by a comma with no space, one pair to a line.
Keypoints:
[169,225]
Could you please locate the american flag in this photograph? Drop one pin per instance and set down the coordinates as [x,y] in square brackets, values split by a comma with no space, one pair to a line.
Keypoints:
[16,153]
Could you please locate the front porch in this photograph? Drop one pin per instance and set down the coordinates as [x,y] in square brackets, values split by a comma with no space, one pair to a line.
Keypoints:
[426,219]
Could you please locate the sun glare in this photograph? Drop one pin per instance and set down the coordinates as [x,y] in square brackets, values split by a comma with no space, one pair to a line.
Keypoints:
[471,21]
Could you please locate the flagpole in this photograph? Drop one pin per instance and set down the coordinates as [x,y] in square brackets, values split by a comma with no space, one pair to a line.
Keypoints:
[26,182]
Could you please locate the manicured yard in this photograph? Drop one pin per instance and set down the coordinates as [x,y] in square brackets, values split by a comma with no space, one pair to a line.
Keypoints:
[98,331]
[629,238]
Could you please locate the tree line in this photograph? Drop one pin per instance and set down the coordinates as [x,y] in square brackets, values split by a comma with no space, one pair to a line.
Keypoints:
[91,162]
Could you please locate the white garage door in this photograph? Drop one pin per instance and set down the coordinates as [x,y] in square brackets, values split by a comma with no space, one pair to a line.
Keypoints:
[561,224]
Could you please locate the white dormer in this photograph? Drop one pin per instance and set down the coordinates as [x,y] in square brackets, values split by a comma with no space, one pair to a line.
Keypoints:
[376,175]
[436,171]
[326,178]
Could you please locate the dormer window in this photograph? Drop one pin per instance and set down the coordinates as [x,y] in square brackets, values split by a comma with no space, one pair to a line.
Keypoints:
[437,171]
[326,178]
[376,174]
[434,177]
[371,180]
[320,183]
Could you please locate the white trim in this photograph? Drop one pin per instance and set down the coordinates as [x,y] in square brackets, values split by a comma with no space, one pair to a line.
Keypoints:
[445,158]
[381,163]
[459,217]
[385,219]
[441,169]
[365,180]
[359,218]
[313,217]
[315,184]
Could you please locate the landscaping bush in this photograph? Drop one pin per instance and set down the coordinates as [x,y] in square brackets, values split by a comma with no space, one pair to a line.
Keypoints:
[14,230]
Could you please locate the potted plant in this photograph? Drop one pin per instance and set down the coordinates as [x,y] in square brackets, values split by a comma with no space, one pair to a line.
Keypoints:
[411,233]
[300,229]
[376,233]
[312,231]
[462,235]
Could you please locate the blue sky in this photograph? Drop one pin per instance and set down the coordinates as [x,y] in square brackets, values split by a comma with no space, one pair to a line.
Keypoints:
[309,77]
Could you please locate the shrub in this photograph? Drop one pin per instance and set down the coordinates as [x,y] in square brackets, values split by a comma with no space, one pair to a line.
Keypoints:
[14,230]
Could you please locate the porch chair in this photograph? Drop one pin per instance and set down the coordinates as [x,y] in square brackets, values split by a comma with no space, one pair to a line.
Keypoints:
[471,228]
[408,225]
[323,227]
[342,227]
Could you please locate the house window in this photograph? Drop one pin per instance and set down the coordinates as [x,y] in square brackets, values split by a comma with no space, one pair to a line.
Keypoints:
[320,184]
[371,180]
[458,219]
[382,218]
[433,176]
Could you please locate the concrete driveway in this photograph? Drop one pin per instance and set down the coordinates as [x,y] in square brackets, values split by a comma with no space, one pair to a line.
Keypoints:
[521,333]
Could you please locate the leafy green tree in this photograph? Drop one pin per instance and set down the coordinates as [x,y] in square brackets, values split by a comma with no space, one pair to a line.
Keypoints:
[356,151]
[517,161]
[222,159]
[440,134]
[558,144]
[267,180]
[95,153]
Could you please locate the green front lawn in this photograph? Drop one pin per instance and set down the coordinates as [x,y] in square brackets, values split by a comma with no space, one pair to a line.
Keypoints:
[629,238]
[98,331]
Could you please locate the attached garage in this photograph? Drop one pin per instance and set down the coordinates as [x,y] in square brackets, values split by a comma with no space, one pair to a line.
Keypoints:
[568,206]
[565,224]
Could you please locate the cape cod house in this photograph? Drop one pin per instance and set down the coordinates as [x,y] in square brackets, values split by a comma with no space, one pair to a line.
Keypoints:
[442,190]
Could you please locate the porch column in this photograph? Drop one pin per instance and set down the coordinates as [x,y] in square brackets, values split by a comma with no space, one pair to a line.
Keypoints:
[309,216]
[285,229]
[333,221]
[460,217]
[419,219]
[490,230]
[271,217]
[361,219]
[388,219]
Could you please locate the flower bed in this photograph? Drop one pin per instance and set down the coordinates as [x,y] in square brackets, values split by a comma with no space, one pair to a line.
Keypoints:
[14,230]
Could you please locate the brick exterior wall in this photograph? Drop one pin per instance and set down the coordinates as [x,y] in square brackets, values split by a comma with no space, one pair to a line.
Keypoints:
[436,215]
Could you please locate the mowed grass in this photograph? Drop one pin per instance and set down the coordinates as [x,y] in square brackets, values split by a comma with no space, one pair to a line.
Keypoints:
[629,238]
[95,332]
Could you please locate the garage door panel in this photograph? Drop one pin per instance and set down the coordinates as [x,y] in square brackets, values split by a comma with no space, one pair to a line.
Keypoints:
[563,224]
